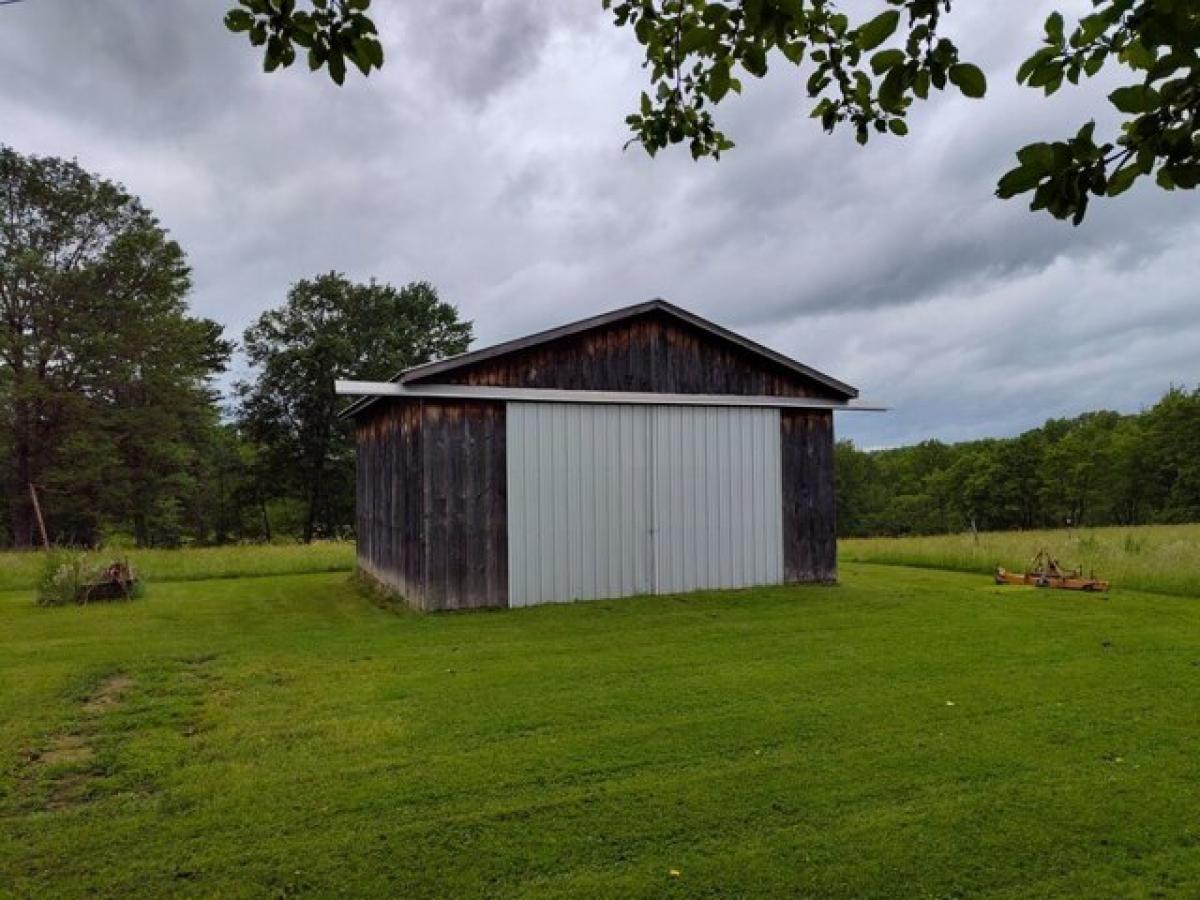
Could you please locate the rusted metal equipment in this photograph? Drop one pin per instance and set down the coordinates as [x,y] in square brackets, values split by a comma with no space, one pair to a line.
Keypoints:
[1046,572]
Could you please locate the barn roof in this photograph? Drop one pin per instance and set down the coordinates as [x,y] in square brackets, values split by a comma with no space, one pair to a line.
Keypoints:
[429,372]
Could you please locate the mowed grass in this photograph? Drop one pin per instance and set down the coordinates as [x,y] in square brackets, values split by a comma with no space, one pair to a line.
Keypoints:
[1161,558]
[907,733]
[21,570]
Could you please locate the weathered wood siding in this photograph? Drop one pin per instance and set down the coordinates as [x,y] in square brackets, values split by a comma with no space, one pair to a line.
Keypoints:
[390,500]
[646,353]
[466,505]
[809,514]
[432,502]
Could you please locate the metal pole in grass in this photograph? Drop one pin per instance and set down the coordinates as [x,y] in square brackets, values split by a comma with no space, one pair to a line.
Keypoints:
[37,511]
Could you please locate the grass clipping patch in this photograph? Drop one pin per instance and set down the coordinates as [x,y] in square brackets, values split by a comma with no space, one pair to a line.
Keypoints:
[73,579]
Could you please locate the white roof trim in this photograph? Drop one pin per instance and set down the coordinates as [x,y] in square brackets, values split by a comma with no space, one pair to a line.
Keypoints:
[554,395]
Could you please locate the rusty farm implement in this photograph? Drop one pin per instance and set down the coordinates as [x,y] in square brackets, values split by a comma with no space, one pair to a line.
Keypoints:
[1046,572]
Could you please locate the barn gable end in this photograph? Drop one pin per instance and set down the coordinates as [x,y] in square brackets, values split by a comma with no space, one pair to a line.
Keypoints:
[652,347]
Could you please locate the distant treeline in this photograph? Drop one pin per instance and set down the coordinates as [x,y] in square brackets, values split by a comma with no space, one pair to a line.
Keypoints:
[1100,468]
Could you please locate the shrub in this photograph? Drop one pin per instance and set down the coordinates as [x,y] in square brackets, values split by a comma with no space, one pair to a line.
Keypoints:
[71,578]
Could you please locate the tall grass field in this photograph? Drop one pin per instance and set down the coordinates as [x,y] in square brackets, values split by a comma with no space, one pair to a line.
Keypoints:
[1164,559]
[20,570]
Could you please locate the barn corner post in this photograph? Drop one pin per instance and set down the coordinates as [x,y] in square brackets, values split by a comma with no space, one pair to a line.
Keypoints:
[644,450]
[809,505]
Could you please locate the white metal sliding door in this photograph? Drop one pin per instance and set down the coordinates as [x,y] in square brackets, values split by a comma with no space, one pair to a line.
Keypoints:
[718,507]
[578,502]
[615,500]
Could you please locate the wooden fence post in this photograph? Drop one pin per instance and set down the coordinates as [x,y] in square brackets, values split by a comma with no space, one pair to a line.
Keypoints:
[37,511]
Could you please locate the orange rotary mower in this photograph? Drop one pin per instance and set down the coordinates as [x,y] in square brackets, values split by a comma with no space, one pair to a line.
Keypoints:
[1046,572]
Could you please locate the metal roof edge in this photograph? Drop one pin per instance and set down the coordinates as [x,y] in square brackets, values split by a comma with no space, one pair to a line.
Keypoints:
[374,390]
[655,304]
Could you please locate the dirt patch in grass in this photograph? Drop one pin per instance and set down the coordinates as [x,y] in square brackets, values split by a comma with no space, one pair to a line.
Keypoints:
[70,790]
[74,751]
[108,694]
[66,749]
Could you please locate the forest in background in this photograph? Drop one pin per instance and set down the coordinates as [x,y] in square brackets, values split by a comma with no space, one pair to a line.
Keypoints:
[1099,468]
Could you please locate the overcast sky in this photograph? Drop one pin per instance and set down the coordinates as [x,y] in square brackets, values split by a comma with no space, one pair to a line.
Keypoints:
[487,158]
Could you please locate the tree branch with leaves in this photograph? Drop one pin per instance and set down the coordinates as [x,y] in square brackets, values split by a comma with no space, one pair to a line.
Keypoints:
[1156,39]
[333,32]
[865,75]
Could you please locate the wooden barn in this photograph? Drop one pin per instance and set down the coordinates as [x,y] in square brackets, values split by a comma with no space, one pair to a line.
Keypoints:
[642,451]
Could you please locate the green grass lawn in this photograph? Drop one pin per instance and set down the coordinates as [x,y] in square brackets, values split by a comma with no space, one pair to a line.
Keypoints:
[21,569]
[907,733]
[1160,558]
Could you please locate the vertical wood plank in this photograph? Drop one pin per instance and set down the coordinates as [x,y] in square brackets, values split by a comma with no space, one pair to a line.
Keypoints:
[809,526]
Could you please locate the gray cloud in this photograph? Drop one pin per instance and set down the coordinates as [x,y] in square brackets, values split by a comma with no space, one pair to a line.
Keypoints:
[487,158]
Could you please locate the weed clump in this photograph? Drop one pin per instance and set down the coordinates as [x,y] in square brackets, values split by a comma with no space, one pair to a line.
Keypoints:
[72,579]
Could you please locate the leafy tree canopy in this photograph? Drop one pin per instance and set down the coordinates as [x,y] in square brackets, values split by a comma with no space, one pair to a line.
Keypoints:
[104,376]
[330,328]
[862,74]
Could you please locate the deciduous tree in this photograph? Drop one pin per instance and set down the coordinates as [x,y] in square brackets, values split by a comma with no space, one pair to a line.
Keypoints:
[330,328]
[103,374]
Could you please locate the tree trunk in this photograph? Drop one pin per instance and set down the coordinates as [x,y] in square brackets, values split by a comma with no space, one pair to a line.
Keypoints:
[314,504]
[266,520]
[141,535]
[20,505]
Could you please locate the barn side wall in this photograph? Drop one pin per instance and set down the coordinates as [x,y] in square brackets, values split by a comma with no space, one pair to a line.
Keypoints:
[390,497]
[465,504]
[647,353]
[809,513]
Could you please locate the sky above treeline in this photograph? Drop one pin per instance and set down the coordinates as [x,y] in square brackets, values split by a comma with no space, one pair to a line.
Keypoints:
[487,158]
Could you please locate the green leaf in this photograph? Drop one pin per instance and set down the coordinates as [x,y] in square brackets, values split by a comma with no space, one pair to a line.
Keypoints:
[1037,157]
[238,20]
[1136,98]
[793,51]
[1017,181]
[1138,56]
[361,56]
[969,79]
[754,58]
[337,67]
[886,59]
[1122,180]
[898,127]
[878,30]
[921,84]
[1033,64]
[375,50]
[1186,175]
[718,81]
[695,39]
[891,90]
[1054,28]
